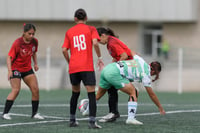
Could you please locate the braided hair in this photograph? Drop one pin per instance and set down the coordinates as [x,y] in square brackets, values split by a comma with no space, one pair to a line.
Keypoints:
[156,66]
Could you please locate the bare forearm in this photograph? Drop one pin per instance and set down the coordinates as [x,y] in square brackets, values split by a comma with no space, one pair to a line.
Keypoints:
[65,53]
[96,48]
[123,56]
[153,97]
[9,63]
[35,59]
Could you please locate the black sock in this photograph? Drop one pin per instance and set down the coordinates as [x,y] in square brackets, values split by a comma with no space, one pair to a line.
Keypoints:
[8,106]
[92,104]
[34,107]
[113,100]
[73,104]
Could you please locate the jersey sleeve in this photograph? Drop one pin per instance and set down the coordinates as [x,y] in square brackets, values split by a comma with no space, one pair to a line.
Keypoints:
[117,49]
[14,50]
[95,34]
[146,81]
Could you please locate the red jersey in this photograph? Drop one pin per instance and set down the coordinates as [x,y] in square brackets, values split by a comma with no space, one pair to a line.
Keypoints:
[79,40]
[117,47]
[21,54]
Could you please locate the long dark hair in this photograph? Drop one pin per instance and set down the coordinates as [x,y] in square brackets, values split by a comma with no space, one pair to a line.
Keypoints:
[80,14]
[156,66]
[27,27]
[107,31]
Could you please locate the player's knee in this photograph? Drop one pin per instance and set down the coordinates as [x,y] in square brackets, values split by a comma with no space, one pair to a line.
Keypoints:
[132,98]
[15,91]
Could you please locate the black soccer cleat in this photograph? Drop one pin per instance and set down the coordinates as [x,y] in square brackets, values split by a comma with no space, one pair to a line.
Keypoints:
[73,124]
[93,125]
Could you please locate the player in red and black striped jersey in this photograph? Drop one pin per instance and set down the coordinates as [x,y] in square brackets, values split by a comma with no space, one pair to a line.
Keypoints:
[80,39]
[19,67]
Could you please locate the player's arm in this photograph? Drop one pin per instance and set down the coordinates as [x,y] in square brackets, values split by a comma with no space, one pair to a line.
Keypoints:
[114,60]
[119,52]
[98,52]
[36,68]
[154,98]
[9,62]
[123,56]
[65,53]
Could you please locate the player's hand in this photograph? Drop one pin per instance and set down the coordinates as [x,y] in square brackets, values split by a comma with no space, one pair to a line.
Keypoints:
[36,68]
[114,60]
[10,74]
[162,111]
[100,64]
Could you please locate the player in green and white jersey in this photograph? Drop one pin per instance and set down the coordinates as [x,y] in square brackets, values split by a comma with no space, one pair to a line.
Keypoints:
[120,75]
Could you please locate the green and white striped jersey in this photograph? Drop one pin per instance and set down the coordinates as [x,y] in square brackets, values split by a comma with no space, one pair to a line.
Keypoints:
[136,70]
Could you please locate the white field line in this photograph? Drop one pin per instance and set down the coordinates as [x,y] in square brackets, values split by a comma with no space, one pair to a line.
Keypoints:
[81,119]
[120,104]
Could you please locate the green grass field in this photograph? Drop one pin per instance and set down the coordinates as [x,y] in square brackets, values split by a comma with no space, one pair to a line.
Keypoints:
[183,114]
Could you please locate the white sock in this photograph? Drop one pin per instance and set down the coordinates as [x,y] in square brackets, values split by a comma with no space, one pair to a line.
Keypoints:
[132,108]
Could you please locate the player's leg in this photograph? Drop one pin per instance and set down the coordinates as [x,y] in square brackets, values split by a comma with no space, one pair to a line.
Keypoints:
[75,79]
[113,101]
[30,80]
[15,83]
[89,81]
[132,104]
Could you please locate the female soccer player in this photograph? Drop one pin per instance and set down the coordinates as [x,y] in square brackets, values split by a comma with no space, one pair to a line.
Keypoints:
[19,67]
[122,73]
[79,40]
[119,51]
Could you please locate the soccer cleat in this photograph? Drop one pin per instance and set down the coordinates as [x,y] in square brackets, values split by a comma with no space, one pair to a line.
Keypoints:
[133,121]
[38,116]
[110,117]
[93,125]
[6,117]
[73,123]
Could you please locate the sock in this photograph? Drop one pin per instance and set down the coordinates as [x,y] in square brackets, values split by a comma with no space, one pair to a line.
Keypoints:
[113,100]
[8,106]
[73,104]
[132,108]
[92,105]
[35,105]
[72,118]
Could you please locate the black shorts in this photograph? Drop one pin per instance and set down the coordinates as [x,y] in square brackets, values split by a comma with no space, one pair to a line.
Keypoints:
[88,78]
[17,74]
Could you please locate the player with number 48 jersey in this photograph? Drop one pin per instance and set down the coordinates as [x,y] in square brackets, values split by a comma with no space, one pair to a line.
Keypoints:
[78,40]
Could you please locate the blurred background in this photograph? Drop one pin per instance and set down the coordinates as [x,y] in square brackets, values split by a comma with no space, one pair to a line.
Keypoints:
[163,30]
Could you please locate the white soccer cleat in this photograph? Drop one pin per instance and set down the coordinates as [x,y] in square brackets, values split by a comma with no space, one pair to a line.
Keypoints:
[133,121]
[38,116]
[108,118]
[6,117]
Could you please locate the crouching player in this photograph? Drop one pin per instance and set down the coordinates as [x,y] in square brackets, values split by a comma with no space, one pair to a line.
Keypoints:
[122,73]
